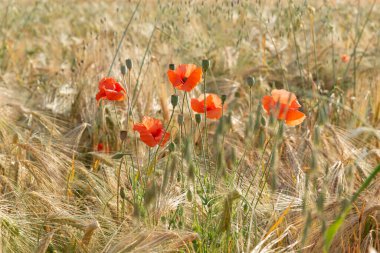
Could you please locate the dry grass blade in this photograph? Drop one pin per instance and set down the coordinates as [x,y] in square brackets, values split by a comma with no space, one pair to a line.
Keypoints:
[44,242]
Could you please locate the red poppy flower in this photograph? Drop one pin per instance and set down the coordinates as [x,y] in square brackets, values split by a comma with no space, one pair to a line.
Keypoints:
[100,148]
[185,76]
[213,105]
[284,105]
[345,58]
[110,89]
[151,131]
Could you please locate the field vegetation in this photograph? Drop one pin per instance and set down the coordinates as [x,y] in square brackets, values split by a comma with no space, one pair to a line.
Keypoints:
[286,159]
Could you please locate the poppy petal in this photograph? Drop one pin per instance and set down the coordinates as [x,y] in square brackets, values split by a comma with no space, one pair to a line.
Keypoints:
[294,117]
[101,95]
[174,78]
[283,96]
[181,70]
[197,106]
[165,137]
[152,125]
[148,139]
[145,135]
[214,114]
[139,127]
[107,83]
[114,95]
[281,110]
[192,81]
[267,102]
[213,101]
[189,69]
[119,88]
[295,105]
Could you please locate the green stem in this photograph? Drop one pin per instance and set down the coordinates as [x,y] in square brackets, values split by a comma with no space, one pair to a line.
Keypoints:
[122,37]
[118,189]
[159,144]
[205,115]
[331,232]
[137,88]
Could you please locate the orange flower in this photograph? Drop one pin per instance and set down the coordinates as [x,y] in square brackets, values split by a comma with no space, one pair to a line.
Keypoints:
[345,58]
[110,89]
[284,105]
[151,131]
[213,105]
[185,76]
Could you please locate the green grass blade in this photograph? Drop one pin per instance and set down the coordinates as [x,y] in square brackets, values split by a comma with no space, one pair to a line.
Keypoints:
[334,227]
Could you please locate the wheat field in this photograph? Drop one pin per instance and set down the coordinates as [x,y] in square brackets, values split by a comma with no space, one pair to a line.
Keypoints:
[81,171]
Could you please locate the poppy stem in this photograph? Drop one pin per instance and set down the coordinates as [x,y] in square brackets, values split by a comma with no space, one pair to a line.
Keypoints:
[118,189]
[182,106]
[205,115]
[190,112]
[130,114]
[122,37]
[159,144]
[137,88]
[250,100]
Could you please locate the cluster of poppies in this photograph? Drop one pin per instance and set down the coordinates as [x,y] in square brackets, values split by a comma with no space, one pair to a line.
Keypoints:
[282,104]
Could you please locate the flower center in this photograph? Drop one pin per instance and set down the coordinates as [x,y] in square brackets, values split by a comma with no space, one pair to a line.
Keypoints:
[156,133]
[184,79]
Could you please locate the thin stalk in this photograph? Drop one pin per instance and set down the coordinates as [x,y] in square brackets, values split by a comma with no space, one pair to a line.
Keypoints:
[297,53]
[159,144]
[123,36]
[190,113]
[118,189]
[205,115]
[250,100]
[368,15]
[138,86]
[333,58]
[312,30]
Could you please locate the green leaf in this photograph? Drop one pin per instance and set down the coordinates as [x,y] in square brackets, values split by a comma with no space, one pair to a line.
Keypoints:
[119,155]
[334,227]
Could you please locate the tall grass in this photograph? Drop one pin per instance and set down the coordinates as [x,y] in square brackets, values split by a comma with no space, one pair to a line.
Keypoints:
[243,183]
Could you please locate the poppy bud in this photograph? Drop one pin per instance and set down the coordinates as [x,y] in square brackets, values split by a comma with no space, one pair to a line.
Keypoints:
[317,135]
[180,119]
[245,207]
[251,81]
[171,66]
[263,122]
[123,135]
[123,69]
[314,161]
[224,97]
[129,64]
[171,147]
[189,195]
[205,65]
[122,193]
[174,100]
[191,173]
[261,140]
[229,119]
[198,118]
[187,151]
